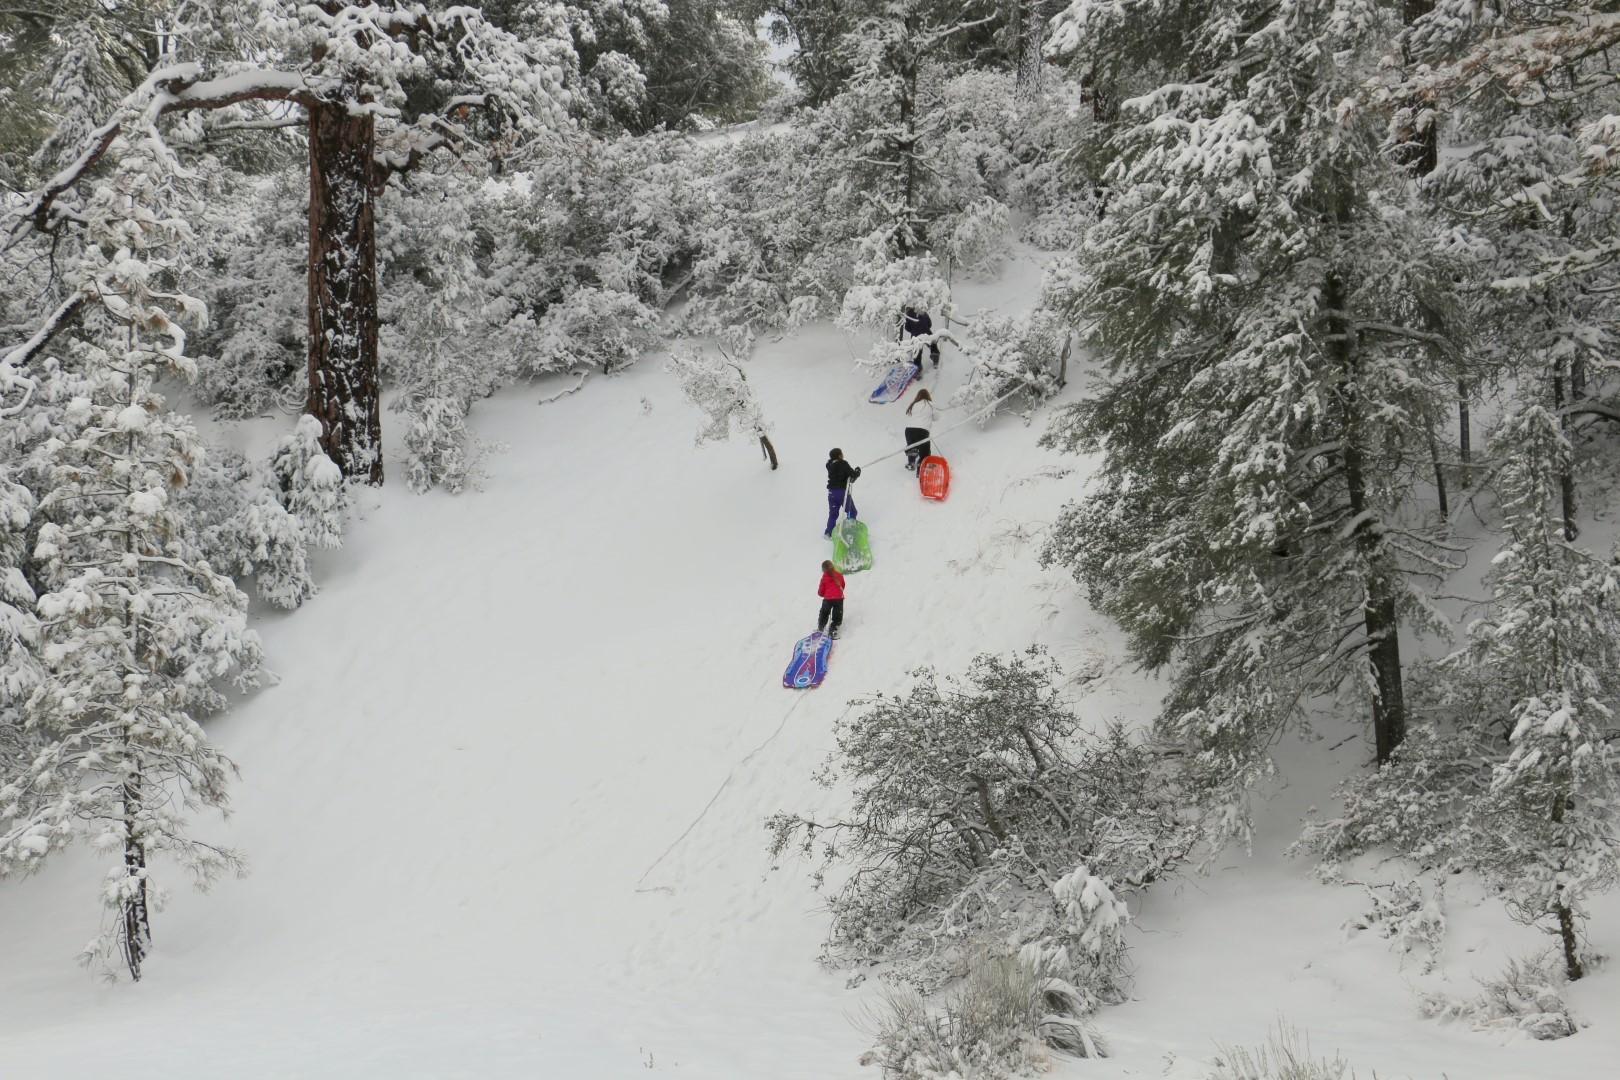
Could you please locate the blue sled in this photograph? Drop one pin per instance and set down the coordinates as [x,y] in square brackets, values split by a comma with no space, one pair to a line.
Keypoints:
[894,383]
[809,664]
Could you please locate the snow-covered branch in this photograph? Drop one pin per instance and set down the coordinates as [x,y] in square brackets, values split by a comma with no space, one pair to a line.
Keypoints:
[19,355]
[176,88]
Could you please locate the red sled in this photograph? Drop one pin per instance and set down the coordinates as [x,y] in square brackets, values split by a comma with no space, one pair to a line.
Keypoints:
[934,477]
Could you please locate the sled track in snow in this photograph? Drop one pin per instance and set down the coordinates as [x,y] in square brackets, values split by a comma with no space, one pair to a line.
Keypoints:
[755,752]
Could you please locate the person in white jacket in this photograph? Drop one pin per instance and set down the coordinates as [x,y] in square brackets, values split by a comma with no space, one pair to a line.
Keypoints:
[922,411]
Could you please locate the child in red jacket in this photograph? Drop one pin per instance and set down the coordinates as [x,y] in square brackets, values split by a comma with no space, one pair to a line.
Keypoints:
[832,598]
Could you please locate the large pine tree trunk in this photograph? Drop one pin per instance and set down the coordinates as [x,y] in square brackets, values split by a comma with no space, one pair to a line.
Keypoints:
[1029,31]
[1439,478]
[1379,614]
[344,394]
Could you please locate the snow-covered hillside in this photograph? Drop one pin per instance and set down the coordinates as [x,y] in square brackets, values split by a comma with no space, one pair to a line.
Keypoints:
[504,809]
[504,708]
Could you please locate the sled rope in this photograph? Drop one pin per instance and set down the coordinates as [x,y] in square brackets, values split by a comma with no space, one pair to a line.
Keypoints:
[982,412]
[714,799]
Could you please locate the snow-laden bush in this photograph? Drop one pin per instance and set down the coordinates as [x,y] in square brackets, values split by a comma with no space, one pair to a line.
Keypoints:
[718,386]
[1285,1055]
[976,236]
[883,288]
[1002,1019]
[453,343]
[1527,996]
[243,528]
[253,234]
[1015,361]
[441,451]
[310,484]
[602,329]
[971,798]
[1413,920]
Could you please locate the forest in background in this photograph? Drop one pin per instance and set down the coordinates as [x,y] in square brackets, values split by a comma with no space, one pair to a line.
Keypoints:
[1346,265]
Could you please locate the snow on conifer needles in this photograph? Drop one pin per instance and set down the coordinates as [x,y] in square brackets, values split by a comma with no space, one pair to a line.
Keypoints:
[1319,249]
[133,629]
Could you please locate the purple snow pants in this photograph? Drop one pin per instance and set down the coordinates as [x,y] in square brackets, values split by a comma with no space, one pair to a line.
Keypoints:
[838,499]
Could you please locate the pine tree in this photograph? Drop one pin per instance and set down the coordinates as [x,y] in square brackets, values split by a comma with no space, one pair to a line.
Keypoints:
[136,631]
[887,121]
[1552,648]
[1527,194]
[1257,290]
[32,403]
[310,484]
[1508,773]
[378,89]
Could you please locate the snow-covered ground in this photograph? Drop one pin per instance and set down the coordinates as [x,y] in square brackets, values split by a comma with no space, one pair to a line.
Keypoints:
[504,810]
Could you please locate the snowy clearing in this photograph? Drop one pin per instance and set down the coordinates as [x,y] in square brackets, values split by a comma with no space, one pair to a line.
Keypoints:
[564,697]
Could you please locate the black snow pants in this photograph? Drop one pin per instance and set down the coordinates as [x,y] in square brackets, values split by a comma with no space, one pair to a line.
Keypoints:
[916,453]
[835,608]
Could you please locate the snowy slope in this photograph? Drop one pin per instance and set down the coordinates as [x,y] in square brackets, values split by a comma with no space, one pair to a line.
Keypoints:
[504,707]
[505,808]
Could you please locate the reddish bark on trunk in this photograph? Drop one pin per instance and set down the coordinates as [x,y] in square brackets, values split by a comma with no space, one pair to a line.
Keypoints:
[344,393]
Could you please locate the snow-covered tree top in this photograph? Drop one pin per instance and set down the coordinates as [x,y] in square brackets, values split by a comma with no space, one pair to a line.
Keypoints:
[423,74]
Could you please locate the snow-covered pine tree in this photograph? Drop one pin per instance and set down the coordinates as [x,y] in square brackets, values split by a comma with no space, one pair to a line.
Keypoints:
[1523,92]
[719,388]
[1545,829]
[443,354]
[772,241]
[1508,773]
[243,529]
[1257,292]
[136,631]
[887,124]
[585,252]
[379,87]
[311,485]
[32,404]
[20,670]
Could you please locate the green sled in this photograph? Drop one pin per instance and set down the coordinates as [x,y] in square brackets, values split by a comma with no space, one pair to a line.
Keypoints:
[852,550]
